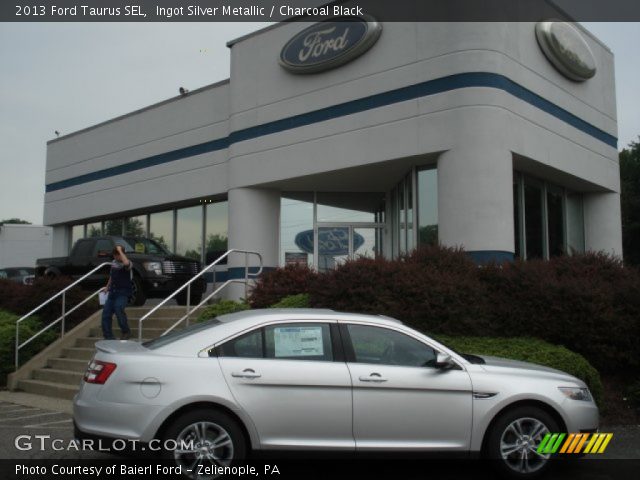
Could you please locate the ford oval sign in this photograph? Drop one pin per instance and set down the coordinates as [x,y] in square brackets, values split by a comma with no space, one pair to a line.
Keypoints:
[329,44]
[331,241]
[566,49]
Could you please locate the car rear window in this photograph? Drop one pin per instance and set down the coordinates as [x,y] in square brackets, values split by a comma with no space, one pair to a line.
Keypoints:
[176,335]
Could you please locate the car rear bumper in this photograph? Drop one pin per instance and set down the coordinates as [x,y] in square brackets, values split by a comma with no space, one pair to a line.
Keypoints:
[94,418]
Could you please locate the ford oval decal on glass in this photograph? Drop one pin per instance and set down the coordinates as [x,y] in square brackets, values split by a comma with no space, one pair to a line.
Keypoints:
[329,44]
[331,241]
[566,49]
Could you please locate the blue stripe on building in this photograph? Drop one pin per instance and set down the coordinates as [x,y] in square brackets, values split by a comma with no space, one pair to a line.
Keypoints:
[412,92]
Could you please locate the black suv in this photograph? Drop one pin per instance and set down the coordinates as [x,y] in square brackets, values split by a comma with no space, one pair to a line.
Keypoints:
[156,271]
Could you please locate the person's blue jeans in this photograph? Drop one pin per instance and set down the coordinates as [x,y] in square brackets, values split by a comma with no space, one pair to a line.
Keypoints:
[116,303]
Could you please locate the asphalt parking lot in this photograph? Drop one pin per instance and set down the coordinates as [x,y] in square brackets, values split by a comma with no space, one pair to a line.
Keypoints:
[23,426]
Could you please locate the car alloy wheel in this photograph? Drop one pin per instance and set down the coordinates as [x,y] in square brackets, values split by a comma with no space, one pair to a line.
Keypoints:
[513,441]
[203,439]
[519,444]
[202,443]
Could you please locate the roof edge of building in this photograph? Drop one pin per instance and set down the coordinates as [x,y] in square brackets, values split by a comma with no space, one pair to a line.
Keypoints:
[136,112]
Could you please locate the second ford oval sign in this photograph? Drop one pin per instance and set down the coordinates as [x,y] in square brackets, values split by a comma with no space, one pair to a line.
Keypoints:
[566,49]
[329,44]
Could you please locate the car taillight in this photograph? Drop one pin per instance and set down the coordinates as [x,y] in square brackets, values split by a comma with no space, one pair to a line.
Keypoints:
[98,372]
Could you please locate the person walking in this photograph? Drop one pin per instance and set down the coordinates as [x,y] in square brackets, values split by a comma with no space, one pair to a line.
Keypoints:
[119,288]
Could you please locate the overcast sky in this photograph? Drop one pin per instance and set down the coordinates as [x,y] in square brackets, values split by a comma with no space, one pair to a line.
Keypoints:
[68,76]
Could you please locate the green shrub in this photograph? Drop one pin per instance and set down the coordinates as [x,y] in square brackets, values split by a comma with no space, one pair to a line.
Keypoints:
[221,307]
[8,339]
[530,350]
[300,300]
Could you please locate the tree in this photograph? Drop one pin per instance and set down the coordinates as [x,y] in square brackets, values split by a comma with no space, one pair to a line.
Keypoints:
[630,200]
[113,227]
[14,221]
[159,239]
[216,245]
[216,242]
[133,227]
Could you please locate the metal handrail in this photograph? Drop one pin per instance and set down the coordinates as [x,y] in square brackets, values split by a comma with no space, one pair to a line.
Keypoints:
[62,318]
[202,302]
[187,285]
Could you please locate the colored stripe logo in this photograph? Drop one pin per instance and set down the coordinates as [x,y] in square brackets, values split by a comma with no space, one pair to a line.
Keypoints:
[574,443]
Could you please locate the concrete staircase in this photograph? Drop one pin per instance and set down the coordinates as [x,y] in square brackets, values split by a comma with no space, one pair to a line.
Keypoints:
[58,370]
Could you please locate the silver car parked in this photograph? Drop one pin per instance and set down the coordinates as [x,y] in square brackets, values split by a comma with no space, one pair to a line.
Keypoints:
[324,380]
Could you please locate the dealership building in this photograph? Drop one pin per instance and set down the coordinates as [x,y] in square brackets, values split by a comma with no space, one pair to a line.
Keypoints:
[335,140]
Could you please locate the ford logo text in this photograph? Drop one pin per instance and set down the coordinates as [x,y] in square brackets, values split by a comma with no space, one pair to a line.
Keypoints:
[329,44]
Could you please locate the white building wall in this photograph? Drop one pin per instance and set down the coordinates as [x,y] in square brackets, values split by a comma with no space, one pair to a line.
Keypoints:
[182,122]
[22,245]
[479,129]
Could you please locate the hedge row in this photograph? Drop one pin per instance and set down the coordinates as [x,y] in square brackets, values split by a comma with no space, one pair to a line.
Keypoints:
[21,299]
[588,303]
[8,337]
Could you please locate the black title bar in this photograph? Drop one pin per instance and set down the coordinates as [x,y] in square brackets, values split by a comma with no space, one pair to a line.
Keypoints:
[293,10]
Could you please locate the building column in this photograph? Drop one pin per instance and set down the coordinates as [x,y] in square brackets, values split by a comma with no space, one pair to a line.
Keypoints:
[254,225]
[603,223]
[61,240]
[475,201]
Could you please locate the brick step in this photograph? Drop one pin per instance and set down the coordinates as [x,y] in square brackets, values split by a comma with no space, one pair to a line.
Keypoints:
[68,364]
[87,342]
[67,377]
[163,312]
[160,322]
[148,332]
[49,389]
[78,353]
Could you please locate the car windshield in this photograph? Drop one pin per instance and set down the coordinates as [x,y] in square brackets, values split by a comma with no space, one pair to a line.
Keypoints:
[175,335]
[143,245]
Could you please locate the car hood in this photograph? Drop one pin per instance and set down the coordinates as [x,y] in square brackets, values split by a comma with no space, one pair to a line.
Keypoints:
[492,362]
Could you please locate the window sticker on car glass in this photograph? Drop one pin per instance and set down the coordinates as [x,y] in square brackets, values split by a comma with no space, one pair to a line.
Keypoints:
[298,341]
[139,247]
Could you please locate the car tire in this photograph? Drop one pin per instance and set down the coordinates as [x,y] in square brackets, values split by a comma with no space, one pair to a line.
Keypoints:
[138,298]
[513,439]
[202,427]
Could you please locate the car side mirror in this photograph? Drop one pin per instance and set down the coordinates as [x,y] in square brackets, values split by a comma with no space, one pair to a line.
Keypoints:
[444,361]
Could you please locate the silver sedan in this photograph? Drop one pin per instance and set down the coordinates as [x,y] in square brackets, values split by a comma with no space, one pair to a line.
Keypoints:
[303,379]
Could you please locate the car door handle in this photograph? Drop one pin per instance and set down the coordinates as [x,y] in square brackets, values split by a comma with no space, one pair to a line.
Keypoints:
[246,373]
[374,377]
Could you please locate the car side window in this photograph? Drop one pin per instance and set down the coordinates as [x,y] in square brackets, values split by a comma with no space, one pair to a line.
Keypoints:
[249,345]
[299,341]
[387,347]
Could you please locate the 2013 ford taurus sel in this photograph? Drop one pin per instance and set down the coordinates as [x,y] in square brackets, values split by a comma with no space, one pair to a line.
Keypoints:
[323,380]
